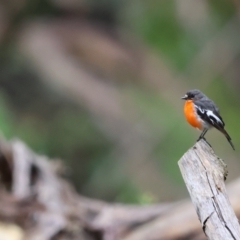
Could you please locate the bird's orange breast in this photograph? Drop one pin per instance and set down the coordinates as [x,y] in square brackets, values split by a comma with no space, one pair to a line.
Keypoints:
[191,115]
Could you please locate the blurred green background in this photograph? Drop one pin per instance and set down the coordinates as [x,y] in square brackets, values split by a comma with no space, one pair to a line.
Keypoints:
[97,83]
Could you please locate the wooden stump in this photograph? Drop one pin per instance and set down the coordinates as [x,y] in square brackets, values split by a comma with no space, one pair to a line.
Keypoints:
[204,174]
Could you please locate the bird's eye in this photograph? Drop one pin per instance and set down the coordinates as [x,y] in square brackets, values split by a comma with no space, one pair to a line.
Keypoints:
[190,95]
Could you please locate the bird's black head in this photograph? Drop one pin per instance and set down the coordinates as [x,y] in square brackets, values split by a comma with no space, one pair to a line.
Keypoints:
[193,95]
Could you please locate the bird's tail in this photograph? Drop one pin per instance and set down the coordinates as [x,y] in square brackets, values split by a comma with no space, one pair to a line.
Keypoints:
[228,137]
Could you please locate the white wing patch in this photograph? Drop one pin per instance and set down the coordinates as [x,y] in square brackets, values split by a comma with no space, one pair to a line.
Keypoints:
[211,115]
[200,109]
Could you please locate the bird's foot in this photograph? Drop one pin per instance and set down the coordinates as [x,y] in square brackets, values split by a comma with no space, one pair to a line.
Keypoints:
[204,140]
[200,139]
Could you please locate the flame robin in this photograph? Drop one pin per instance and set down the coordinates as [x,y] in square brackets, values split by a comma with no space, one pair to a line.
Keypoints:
[202,113]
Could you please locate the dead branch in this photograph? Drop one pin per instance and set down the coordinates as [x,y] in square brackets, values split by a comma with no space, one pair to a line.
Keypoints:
[38,203]
[204,174]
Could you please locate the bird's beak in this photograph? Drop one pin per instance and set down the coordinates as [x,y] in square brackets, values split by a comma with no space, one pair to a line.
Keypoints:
[185,97]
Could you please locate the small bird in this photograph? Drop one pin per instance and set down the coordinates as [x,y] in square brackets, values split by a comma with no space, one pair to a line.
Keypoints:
[202,113]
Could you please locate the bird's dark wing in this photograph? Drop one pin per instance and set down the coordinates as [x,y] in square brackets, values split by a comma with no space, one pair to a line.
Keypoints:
[207,110]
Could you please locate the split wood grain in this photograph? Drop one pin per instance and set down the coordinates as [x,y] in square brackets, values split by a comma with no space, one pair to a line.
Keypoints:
[204,174]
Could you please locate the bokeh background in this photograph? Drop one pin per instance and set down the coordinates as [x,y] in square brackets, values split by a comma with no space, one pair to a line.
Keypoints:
[97,84]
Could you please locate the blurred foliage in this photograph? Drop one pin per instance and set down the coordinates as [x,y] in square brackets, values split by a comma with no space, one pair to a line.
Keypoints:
[160,28]
[53,124]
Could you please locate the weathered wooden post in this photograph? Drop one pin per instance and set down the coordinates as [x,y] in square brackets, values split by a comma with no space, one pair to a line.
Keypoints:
[204,174]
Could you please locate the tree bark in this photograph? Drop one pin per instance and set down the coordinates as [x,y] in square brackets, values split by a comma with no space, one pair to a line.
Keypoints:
[204,174]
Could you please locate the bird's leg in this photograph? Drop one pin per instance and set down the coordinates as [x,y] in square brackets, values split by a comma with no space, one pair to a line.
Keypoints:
[202,134]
